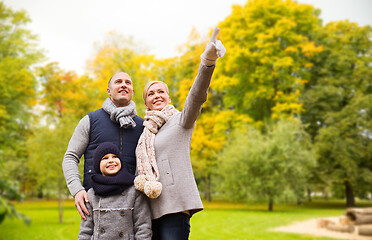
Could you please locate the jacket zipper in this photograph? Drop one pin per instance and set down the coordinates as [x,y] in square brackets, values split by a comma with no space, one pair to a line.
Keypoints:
[121,141]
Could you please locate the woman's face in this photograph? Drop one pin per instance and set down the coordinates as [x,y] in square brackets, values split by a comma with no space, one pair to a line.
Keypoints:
[157,97]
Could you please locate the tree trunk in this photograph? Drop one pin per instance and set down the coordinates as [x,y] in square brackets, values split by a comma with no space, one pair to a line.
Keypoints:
[207,192]
[60,204]
[40,193]
[325,196]
[309,195]
[271,204]
[350,201]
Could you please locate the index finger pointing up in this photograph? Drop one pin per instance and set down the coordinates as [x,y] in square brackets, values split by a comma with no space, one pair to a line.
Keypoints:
[214,34]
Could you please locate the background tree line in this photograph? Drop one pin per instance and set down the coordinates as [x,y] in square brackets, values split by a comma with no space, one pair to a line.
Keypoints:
[288,113]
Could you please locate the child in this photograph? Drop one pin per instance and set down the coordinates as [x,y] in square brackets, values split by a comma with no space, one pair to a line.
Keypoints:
[116,209]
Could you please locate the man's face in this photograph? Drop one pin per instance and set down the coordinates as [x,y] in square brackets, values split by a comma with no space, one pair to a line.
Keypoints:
[120,89]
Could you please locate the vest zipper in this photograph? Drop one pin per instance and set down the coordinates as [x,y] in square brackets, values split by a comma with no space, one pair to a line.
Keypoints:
[121,141]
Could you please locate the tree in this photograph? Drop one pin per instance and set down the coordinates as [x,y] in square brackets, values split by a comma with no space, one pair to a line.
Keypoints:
[119,54]
[18,53]
[64,99]
[345,147]
[340,75]
[269,46]
[272,166]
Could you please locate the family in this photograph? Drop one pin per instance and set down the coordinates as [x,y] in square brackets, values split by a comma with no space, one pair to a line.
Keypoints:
[138,180]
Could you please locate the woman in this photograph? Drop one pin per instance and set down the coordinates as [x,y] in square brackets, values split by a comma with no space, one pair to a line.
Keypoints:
[163,151]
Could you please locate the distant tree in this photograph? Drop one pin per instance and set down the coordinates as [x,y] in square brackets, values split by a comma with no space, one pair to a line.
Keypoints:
[64,100]
[272,166]
[119,54]
[269,44]
[18,53]
[341,77]
[345,147]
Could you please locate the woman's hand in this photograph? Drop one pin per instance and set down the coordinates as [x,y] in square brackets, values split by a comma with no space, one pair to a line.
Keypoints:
[213,51]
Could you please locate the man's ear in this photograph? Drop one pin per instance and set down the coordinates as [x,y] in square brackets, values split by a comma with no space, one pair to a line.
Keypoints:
[109,92]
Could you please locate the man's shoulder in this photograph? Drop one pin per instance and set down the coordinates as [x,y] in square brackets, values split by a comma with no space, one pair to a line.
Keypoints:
[100,110]
[97,113]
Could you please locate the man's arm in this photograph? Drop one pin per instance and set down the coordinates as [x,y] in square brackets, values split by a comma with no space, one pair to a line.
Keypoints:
[76,148]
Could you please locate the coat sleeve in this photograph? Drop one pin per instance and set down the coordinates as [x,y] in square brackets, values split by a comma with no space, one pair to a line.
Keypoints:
[76,147]
[197,96]
[142,217]
[87,227]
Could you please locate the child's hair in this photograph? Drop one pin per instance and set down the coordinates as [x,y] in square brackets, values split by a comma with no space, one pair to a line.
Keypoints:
[101,151]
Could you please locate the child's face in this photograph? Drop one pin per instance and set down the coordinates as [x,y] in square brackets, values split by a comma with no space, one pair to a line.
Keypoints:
[110,164]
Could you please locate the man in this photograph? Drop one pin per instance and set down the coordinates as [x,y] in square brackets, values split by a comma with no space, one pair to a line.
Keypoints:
[115,122]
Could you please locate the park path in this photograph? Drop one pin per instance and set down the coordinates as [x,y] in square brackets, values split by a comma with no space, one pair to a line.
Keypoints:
[309,227]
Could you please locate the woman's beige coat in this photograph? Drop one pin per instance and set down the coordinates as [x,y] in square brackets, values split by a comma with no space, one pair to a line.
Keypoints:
[172,149]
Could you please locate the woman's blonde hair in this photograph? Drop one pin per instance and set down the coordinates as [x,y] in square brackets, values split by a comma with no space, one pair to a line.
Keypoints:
[149,84]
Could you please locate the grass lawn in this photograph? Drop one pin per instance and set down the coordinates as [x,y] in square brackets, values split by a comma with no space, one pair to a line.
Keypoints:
[219,220]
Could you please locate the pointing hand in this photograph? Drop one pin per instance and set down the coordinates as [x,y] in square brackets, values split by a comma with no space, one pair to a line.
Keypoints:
[214,50]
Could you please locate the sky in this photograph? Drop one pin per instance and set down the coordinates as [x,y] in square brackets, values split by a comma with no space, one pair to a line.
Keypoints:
[68,29]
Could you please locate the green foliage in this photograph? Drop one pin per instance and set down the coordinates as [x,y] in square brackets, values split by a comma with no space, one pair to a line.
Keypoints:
[9,191]
[271,166]
[17,82]
[337,112]
[18,52]
[268,44]
[345,145]
[341,72]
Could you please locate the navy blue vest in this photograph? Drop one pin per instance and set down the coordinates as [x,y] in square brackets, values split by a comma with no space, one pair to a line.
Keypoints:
[102,129]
